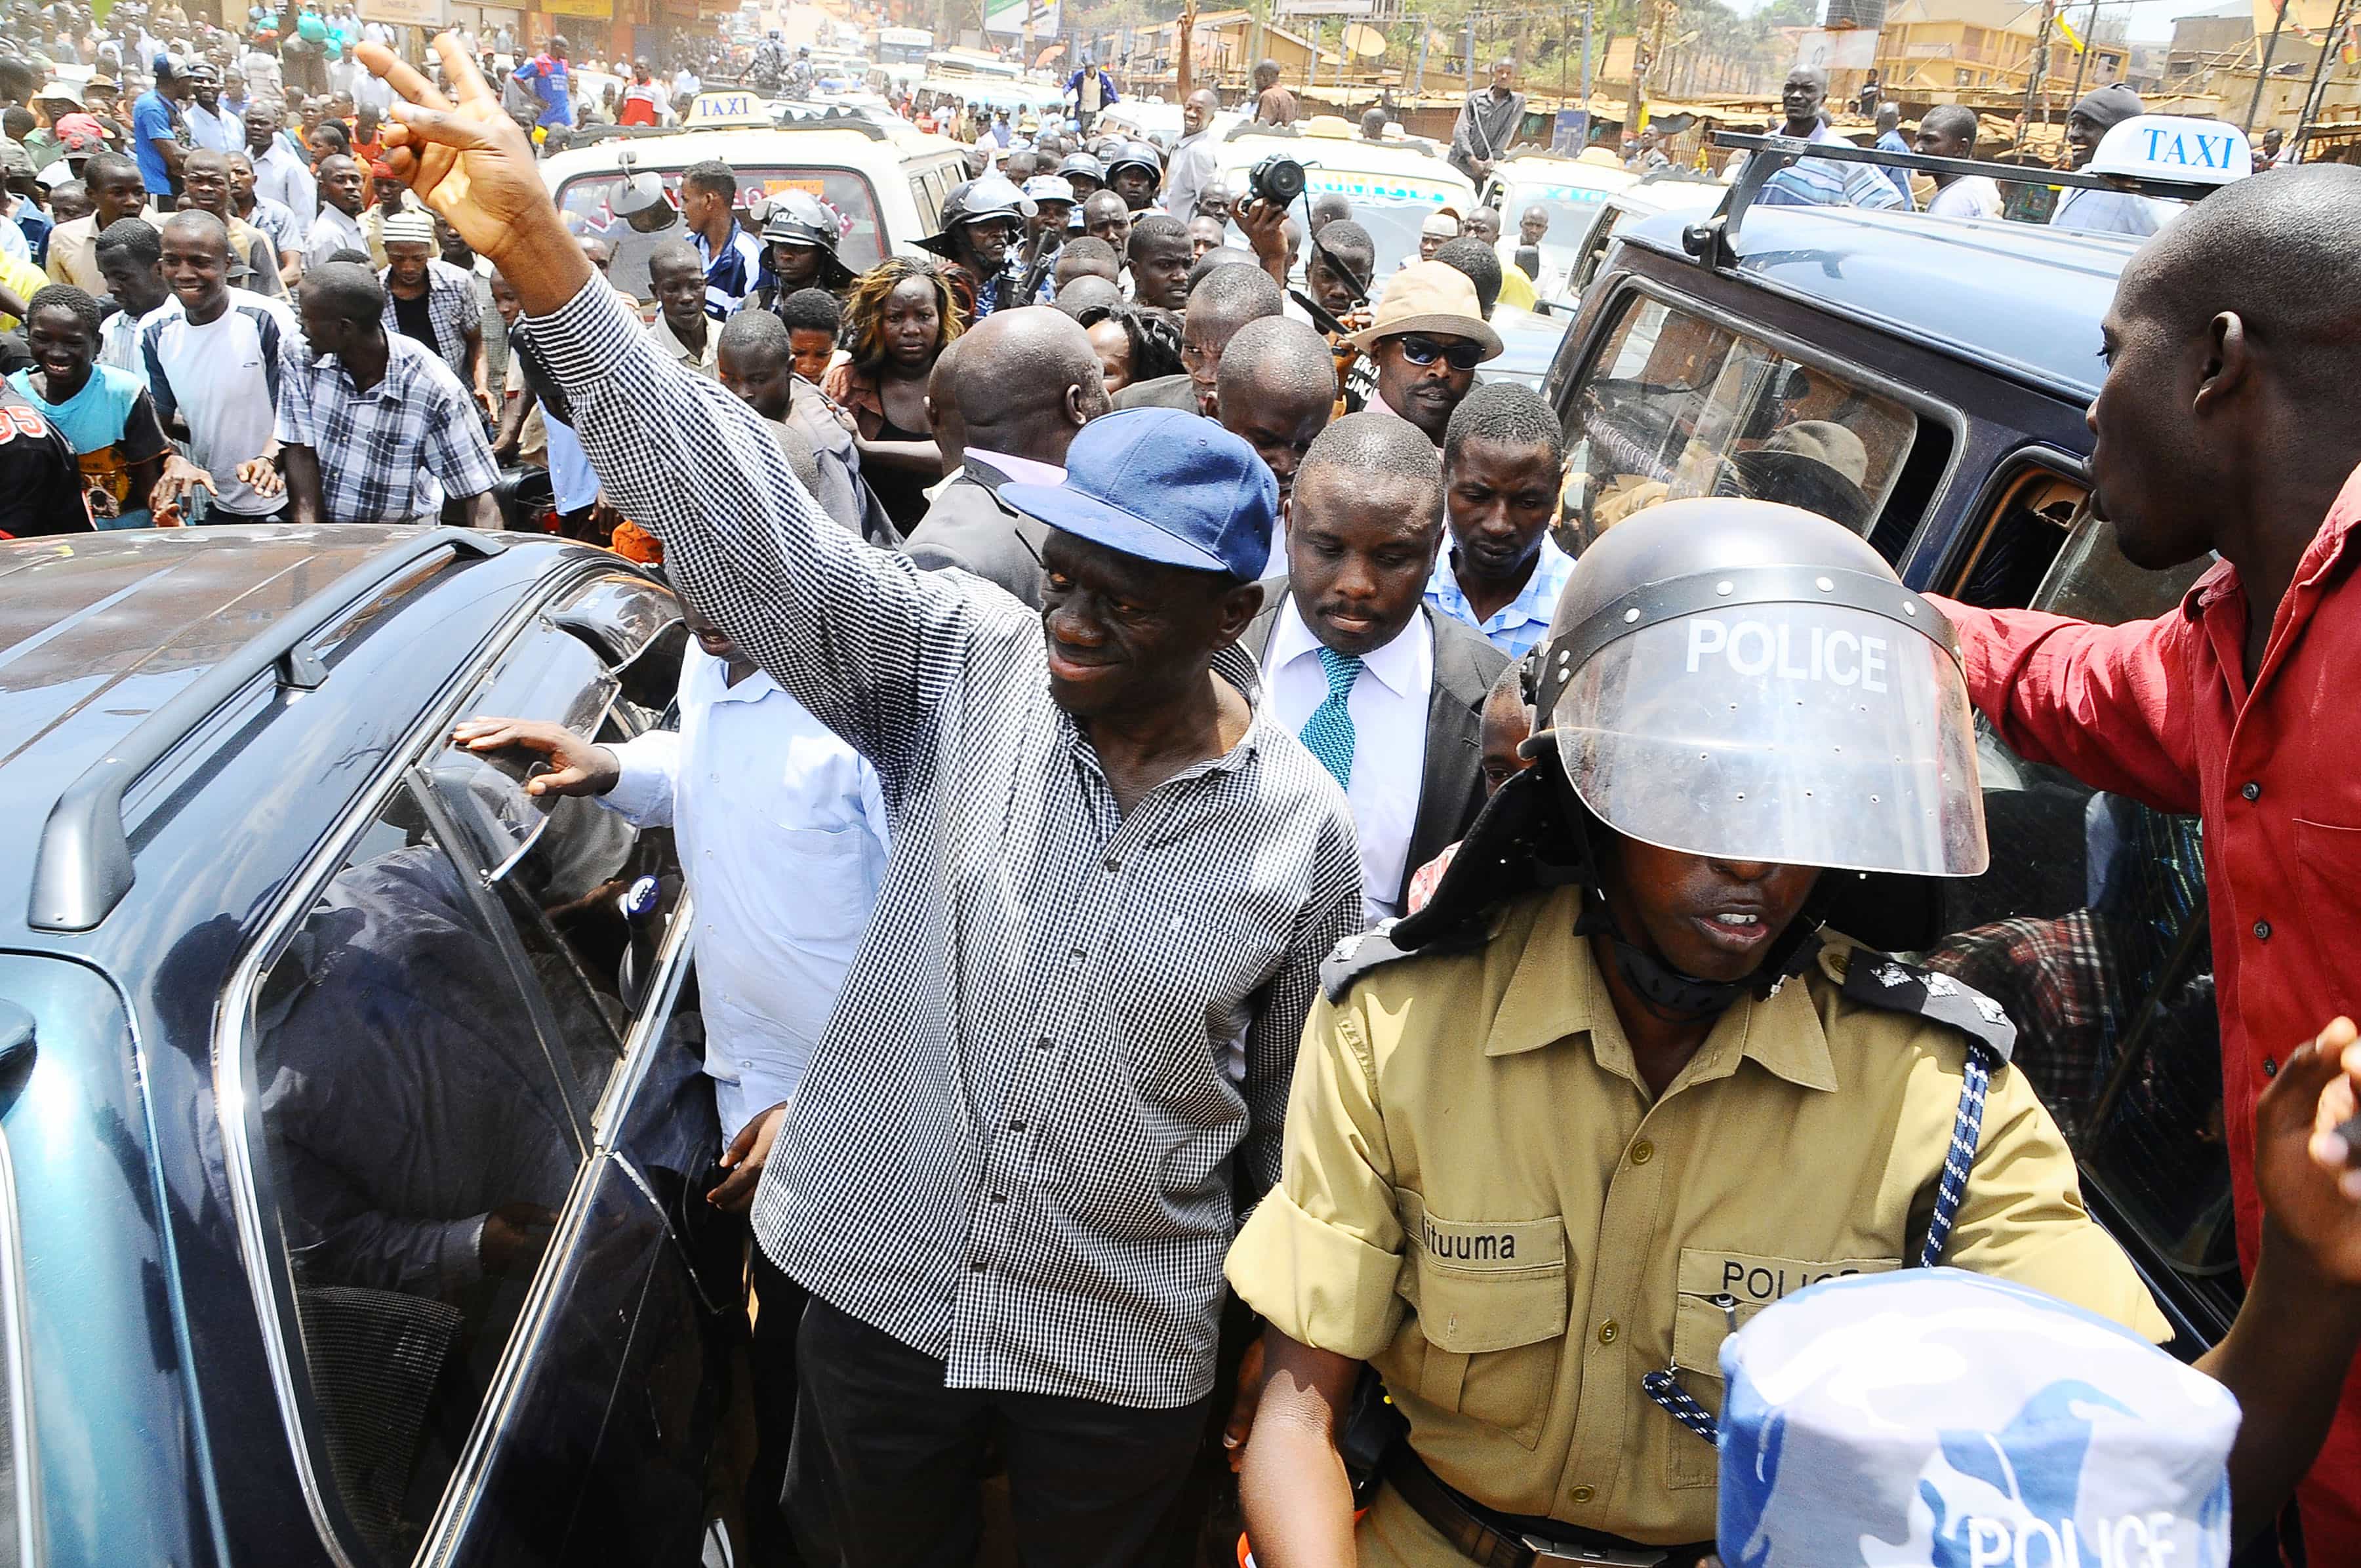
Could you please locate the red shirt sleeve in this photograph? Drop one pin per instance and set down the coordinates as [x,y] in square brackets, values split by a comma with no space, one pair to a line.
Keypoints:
[2115,706]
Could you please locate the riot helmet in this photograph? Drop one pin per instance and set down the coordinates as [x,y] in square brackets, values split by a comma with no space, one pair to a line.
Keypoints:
[1750,681]
[1085,173]
[1136,155]
[1746,682]
[989,195]
[798,218]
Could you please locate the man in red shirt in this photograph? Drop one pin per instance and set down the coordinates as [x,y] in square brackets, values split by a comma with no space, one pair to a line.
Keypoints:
[2229,423]
[643,101]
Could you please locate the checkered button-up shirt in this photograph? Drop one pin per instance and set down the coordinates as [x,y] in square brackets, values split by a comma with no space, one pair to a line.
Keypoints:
[451,310]
[1061,1059]
[395,451]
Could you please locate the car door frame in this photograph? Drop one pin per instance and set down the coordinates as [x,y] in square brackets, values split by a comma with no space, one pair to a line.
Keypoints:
[243,1135]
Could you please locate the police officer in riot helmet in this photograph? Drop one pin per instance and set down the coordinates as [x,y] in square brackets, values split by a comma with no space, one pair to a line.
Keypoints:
[1632,1074]
[799,237]
[983,222]
[1135,173]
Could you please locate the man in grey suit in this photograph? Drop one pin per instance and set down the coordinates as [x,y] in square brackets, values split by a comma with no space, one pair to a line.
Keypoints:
[1022,383]
[1386,694]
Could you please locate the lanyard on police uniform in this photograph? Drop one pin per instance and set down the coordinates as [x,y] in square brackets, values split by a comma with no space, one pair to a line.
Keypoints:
[1967,1129]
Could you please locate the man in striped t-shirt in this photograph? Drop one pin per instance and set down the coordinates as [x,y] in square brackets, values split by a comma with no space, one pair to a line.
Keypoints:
[213,357]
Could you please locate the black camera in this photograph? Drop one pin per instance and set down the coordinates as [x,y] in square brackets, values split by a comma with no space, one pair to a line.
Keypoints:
[1277,181]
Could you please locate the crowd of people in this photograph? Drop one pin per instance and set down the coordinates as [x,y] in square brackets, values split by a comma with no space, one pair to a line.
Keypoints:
[1158,680]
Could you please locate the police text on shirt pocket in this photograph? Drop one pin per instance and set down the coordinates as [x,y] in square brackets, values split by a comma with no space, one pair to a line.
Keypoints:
[1491,1301]
[1715,1287]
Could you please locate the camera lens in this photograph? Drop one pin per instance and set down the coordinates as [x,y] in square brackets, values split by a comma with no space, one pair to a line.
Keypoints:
[1277,180]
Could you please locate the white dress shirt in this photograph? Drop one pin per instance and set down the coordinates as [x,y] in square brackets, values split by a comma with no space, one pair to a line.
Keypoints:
[1388,709]
[279,175]
[782,838]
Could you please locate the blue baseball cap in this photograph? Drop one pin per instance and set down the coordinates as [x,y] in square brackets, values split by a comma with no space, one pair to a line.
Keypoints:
[1163,486]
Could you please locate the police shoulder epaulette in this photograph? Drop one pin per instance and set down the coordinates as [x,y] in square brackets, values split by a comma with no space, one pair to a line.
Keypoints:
[1875,979]
[1372,950]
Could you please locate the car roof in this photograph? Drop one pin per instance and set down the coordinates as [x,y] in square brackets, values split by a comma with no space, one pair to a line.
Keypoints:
[1247,147]
[668,153]
[2023,298]
[100,630]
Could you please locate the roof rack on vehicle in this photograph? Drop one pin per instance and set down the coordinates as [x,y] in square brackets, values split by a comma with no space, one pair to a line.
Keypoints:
[1712,242]
[833,118]
[83,867]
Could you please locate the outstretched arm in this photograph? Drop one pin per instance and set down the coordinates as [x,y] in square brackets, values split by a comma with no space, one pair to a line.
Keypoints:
[862,639]
[2112,705]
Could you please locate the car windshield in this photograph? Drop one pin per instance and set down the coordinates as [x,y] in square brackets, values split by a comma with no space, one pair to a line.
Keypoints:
[1571,210]
[1676,406]
[586,201]
[1390,206]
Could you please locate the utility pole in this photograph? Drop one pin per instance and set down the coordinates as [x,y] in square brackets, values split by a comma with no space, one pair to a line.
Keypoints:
[2319,71]
[1586,75]
[2082,56]
[2034,79]
[1471,51]
[2264,75]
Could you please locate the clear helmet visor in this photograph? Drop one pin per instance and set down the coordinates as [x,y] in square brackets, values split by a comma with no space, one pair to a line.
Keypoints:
[1800,734]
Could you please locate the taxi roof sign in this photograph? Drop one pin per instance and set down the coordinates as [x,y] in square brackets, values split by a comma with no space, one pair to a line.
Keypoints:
[709,111]
[2174,147]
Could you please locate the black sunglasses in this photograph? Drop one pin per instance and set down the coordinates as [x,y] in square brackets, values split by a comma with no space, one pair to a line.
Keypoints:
[1463,355]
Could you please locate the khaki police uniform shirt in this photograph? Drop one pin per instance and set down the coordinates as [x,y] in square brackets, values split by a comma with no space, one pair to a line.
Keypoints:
[1480,1199]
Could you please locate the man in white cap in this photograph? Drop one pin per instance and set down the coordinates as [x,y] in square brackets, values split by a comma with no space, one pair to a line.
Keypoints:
[433,303]
[1053,208]
[1438,229]
[1428,338]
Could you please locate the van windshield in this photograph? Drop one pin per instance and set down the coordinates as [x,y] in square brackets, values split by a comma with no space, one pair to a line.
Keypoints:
[586,203]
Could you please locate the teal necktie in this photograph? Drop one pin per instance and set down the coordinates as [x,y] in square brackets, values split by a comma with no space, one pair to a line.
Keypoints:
[1328,733]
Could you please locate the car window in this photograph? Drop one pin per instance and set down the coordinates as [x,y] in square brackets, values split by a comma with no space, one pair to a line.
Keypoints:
[584,201]
[1676,406]
[2089,927]
[588,893]
[416,1148]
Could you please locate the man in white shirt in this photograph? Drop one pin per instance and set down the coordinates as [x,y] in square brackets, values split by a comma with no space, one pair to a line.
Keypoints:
[1949,131]
[1196,158]
[213,357]
[1387,694]
[784,838]
[280,172]
[211,127]
[343,193]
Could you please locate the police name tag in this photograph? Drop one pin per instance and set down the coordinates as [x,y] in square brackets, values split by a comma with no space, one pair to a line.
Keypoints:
[1754,648]
[1483,1246]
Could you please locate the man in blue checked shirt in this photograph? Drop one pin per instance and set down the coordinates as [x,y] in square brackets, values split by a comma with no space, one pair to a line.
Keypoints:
[1502,456]
[1822,182]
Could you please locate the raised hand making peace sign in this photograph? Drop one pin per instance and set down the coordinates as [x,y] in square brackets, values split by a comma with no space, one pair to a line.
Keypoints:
[468,161]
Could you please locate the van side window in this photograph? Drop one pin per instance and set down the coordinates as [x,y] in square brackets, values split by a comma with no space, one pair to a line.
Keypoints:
[1676,406]
[2089,928]
[417,1147]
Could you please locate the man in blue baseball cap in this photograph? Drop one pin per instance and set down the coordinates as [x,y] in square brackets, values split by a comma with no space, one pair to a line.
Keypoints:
[1059,1067]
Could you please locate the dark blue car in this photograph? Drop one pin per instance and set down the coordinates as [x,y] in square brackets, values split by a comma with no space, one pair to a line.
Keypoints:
[352,1129]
